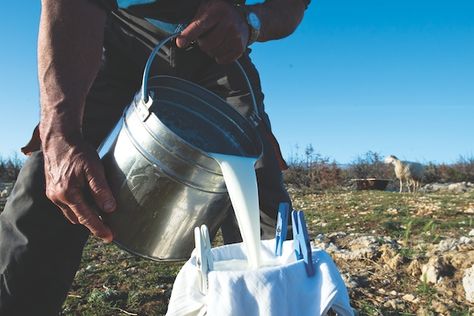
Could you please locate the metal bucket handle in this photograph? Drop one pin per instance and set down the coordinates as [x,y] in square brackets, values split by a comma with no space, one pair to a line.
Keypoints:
[147,99]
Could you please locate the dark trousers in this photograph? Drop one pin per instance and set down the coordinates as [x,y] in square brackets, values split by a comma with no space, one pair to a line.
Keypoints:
[40,250]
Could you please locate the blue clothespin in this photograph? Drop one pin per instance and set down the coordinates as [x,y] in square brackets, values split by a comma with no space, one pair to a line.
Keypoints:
[301,241]
[203,254]
[282,227]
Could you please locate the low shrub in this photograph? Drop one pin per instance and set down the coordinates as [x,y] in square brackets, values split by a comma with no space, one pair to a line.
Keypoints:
[314,171]
[10,167]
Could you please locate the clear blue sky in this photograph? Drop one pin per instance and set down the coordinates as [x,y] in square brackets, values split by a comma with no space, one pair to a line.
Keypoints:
[396,77]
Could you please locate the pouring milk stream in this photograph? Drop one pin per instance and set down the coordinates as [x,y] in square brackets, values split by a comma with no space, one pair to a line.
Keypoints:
[241,182]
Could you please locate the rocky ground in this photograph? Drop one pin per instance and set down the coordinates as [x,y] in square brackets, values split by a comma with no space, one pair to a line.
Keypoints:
[5,188]
[400,254]
[384,279]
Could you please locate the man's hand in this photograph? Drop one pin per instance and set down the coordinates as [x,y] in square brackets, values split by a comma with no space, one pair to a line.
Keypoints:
[219,29]
[71,170]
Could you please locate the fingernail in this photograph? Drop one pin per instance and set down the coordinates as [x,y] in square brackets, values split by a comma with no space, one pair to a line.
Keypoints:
[182,42]
[108,238]
[109,206]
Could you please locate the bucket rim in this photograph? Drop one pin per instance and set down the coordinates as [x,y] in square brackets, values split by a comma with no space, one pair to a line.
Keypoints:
[138,102]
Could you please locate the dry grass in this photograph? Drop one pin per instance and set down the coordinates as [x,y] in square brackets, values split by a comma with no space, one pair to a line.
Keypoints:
[112,282]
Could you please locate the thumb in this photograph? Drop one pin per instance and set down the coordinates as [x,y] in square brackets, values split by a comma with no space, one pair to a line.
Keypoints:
[100,190]
[203,22]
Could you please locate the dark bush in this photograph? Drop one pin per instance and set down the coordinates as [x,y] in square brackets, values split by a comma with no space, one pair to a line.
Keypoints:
[465,168]
[369,165]
[10,167]
[462,170]
[431,173]
[313,171]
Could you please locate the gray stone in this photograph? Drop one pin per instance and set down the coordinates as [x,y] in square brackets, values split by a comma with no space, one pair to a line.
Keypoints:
[448,187]
[4,193]
[359,248]
[409,297]
[457,187]
[468,283]
[465,240]
[337,235]
[431,272]
[447,245]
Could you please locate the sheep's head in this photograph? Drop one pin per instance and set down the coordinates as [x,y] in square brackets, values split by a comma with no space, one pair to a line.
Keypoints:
[390,159]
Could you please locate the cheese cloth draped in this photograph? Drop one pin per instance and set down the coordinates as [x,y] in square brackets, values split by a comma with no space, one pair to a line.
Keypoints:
[283,290]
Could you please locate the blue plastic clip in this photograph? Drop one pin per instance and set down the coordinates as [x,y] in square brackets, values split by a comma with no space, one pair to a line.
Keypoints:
[282,227]
[301,241]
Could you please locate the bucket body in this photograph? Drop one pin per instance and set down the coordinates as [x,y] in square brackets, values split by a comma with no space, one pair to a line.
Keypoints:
[157,164]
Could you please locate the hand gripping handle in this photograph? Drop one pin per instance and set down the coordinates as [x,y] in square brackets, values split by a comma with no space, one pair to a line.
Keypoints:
[147,99]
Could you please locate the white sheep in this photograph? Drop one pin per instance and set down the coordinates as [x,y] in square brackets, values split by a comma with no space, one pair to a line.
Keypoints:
[410,172]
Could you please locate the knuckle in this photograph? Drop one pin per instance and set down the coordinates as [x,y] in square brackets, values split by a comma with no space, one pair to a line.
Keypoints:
[93,171]
[51,195]
[85,219]
[102,192]
[97,184]
[57,196]
[200,23]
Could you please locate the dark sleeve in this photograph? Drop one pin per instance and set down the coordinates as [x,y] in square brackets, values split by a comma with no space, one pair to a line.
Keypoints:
[107,5]
[173,11]
[307,2]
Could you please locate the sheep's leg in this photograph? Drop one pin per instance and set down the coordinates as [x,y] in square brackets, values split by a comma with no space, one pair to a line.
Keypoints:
[401,185]
[409,186]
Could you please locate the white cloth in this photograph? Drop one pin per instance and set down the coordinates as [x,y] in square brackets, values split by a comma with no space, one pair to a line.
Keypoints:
[281,290]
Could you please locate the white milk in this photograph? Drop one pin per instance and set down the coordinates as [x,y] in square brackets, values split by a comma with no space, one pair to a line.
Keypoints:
[241,182]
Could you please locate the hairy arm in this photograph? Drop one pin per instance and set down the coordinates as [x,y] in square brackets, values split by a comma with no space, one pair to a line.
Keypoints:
[221,31]
[69,51]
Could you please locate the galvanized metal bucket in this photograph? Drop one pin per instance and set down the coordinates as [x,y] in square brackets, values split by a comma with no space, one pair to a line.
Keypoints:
[157,163]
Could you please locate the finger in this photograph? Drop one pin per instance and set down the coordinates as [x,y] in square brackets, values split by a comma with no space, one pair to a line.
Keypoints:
[100,190]
[195,29]
[210,41]
[87,217]
[67,212]
[70,216]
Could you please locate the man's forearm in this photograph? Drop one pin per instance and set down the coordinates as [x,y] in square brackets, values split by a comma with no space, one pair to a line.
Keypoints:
[69,52]
[279,18]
